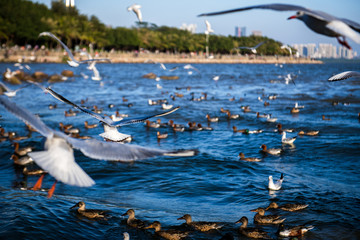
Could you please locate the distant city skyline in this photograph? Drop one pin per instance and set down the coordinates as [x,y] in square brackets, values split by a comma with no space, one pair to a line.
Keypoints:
[272,24]
[324,50]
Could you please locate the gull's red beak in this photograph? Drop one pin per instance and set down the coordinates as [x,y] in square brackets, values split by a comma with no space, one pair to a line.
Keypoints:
[292,17]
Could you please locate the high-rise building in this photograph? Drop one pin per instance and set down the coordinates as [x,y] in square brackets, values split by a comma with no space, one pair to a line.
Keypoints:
[240,31]
[256,33]
[70,3]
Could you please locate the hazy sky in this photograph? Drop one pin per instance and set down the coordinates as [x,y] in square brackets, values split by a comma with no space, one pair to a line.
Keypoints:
[272,24]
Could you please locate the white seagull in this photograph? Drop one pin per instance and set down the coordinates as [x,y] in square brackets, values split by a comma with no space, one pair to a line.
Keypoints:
[10,93]
[252,49]
[162,66]
[287,48]
[344,75]
[275,186]
[208,28]
[287,140]
[110,127]
[58,156]
[318,21]
[136,9]
[72,62]
[188,67]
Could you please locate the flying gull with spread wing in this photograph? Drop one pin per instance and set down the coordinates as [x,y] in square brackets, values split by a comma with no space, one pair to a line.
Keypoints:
[318,21]
[72,62]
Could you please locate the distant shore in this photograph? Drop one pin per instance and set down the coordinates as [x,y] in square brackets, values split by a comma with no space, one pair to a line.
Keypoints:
[51,56]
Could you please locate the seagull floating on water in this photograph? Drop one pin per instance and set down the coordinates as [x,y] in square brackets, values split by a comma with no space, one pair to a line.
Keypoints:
[277,185]
[318,21]
[287,140]
[72,62]
[58,157]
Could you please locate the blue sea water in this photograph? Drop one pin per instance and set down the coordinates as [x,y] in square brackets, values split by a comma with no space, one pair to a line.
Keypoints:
[214,185]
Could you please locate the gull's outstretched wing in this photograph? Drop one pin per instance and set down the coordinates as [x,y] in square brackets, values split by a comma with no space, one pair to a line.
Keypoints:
[244,47]
[27,117]
[344,75]
[259,44]
[49,34]
[5,87]
[277,7]
[128,121]
[96,60]
[71,56]
[95,115]
[122,152]
[109,122]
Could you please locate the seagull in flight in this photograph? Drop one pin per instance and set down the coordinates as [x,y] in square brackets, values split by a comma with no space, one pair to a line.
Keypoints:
[58,155]
[208,28]
[10,93]
[136,9]
[162,66]
[344,75]
[318,21]
[288,48]
[110,127]
[253,49]
[72,62]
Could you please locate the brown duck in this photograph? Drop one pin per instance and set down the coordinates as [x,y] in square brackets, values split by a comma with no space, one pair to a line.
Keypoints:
[132,221]
[89,213]
[170,234]
[260,217]
[251,232]
[291,207]
[200,226]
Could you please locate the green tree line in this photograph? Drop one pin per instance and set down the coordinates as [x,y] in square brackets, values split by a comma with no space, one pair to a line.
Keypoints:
[21,21]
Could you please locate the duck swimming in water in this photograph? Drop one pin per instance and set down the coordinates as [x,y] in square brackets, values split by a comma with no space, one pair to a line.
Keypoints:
[260,217]
[272,151]
[309,133]
[200,226]
[293,231]
[170,234]
[132,221]
[291,207]
[251,232]
[248,159]
[89,213]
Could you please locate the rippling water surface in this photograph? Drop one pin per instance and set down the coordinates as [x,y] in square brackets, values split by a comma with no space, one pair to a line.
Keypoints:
[215,185]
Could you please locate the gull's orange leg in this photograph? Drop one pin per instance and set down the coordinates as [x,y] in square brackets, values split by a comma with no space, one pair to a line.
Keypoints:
[52,189]
[38,184]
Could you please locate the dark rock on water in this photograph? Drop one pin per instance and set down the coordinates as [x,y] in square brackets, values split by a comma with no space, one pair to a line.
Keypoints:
[150,75]
[169,77]
[67,73]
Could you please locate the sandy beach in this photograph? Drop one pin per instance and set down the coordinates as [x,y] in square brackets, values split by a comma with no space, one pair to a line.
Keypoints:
[52,56]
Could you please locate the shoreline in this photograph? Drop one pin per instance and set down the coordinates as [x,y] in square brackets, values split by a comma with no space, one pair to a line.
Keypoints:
[43,56]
